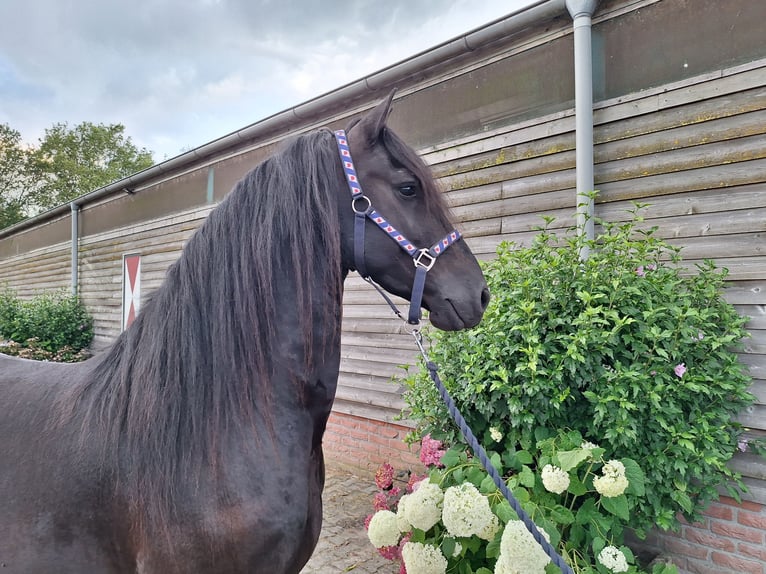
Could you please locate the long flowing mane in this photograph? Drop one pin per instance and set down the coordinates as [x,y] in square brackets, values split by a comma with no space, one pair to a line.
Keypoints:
[195,364]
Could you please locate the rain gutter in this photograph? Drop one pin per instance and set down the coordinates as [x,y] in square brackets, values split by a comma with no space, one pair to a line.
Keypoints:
[582,12]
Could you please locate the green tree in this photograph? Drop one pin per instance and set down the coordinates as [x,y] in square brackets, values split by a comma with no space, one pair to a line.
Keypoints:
[72,161]
[16,184]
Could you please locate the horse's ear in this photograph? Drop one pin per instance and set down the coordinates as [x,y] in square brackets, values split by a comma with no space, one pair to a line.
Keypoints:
[373,122]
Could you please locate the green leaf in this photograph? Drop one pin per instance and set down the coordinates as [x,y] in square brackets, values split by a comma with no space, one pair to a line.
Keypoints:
[527,477]
[562,515]
[451,457]
[569,459]
[524,457]
[448,546]
[493,548]
[635,477]
[617,505]
[504,512]
[576,486]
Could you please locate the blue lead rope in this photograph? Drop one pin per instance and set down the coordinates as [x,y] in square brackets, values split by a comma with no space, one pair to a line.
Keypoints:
[481,454]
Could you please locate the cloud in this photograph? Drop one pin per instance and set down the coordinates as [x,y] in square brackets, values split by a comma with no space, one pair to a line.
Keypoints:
[181,73]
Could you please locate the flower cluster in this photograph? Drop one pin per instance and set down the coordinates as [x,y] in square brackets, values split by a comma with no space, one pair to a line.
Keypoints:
[554,479]
[613,559]
[383,529]
[613,481]
[423,559]
[423,508]
[431,451]
[519,552]
[466,511]
[384,477]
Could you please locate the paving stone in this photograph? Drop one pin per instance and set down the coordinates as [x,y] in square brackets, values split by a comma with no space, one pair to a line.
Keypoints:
[343,545]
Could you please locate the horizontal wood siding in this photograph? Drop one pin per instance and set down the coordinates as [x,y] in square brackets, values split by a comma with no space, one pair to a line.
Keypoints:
[159,243]
[46,269]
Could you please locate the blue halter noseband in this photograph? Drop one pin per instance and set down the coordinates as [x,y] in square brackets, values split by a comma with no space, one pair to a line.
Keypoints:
[423,258]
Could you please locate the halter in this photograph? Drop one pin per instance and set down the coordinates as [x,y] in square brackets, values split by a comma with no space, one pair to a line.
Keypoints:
[424,258]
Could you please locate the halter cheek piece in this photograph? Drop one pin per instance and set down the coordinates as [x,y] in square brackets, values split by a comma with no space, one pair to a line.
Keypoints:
[424,259]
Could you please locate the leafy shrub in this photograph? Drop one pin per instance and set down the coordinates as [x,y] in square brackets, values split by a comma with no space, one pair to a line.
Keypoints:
[623,348]
[457,520]
[51,321]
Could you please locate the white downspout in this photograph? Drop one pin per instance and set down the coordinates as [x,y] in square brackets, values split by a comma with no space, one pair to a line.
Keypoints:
[75,242]
[581,12]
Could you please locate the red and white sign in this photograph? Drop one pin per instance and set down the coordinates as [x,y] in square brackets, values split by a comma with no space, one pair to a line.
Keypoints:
[131,288]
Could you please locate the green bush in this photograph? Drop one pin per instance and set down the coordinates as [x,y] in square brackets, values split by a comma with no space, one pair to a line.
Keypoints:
[51,321]
[624,348]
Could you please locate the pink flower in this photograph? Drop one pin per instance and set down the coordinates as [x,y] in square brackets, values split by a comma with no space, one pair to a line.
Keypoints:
[700,335]
[680,369]
[640,271]
[651,267]
[390,552]
[394,492]
[384,477]
[380,501]
[414,479]
[402,568]
[742,445]
[367,522]
[431,451]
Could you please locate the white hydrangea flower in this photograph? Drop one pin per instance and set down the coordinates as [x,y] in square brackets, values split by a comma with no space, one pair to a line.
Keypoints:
[613,481]
[458,549]
[554,479]
[401,521]
[490,530]
[586,445]
[614,559]
[383,530]
[466,510]
[519,552]
[423,559]
[495,433]
[424,506]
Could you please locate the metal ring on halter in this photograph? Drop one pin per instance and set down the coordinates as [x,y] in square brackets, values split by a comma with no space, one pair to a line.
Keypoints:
[364,211]
[413,330]
[418,260]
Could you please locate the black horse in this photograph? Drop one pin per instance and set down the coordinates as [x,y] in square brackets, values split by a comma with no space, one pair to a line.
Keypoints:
[194,443]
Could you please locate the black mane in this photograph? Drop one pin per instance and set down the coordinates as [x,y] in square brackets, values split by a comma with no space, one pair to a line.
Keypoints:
[195,363]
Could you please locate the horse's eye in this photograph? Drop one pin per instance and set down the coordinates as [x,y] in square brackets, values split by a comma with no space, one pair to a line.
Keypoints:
[408,190]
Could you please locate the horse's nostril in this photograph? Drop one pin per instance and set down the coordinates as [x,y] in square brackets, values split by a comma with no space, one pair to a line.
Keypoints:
[485,296]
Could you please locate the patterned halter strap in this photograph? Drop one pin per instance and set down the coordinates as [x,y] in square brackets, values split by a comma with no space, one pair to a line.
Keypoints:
[423,258]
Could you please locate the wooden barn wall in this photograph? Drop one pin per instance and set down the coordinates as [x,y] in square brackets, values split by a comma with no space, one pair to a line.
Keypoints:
[41,270]
[158,242]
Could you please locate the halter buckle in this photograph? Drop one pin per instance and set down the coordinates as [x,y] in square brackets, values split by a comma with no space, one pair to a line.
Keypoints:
[418,259]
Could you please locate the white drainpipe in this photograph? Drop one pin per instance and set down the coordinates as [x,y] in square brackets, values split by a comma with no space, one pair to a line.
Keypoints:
[75,241]
[581,12]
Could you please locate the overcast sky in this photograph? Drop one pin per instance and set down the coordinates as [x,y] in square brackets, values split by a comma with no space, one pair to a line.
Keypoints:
[180,73]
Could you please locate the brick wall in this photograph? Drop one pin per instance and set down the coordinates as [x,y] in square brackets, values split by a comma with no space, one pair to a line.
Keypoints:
[729,540]
[364,444]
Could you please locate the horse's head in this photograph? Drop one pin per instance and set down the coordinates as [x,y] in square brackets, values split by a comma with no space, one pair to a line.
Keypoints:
[400,189]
